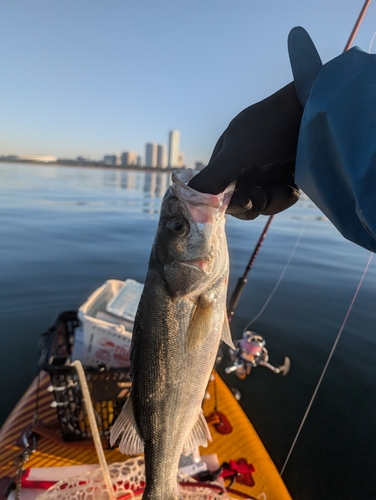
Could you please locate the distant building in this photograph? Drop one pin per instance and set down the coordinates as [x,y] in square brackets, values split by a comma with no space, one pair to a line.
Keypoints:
[82,159]
[112,159]
[128,158]
[173,148]
[109,159]
[161,156]
[139,161]
[151,154]
[199,165]
[38,158]
[180,163]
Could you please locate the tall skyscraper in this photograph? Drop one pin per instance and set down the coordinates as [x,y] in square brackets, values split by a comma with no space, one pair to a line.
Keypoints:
[151,155]
[161,156]
[173,148]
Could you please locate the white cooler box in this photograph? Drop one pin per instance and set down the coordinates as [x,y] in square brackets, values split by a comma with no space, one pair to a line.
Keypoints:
[107,323]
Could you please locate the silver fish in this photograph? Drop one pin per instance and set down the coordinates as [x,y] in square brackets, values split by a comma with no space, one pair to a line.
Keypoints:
[180,321]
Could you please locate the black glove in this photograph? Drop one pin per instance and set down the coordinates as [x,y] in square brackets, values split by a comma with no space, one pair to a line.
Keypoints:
[264,190]
[258,147]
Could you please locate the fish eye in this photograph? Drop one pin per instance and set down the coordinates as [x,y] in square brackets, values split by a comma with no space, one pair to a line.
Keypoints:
[178,226]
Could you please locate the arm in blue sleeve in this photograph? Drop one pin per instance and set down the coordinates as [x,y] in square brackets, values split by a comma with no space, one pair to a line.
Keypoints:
[336,155]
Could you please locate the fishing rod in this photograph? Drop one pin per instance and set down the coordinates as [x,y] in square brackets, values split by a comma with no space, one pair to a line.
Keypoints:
[236,294]
[357,25]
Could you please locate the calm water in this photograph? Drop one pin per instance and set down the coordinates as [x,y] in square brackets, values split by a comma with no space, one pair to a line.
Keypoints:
[64,231]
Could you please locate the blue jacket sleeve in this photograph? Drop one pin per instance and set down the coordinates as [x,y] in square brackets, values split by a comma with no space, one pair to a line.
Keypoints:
[336,155]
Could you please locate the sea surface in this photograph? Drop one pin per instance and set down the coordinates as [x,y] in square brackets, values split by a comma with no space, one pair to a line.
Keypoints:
[64,231]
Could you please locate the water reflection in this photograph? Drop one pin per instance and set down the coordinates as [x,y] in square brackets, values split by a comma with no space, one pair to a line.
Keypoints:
[155,185]
[59,187]
[162,183]
[150,185]
[128,180]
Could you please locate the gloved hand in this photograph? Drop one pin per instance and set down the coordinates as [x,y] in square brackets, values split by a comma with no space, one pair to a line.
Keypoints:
[258,147]
[264,190]
[258,150]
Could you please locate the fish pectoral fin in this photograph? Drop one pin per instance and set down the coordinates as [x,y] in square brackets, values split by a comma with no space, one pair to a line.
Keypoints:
[199,436]
[131,442]
[200,325]
[226,332]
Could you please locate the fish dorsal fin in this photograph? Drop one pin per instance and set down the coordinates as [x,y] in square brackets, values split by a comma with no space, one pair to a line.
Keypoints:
[200,325]
[131,442]
[199,436]
[226,332]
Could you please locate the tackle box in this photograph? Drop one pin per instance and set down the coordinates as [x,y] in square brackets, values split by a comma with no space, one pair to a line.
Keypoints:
[107,319]
[109,387]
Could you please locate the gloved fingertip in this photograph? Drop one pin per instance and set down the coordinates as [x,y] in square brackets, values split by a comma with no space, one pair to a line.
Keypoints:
[305,62]
[280,198]
[247,215]
[247,205]
[239,203]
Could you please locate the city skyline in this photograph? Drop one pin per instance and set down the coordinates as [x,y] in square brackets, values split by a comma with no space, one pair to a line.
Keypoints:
[155,155]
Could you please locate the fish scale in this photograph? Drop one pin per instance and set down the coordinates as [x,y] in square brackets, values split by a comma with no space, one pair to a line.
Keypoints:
[178,326]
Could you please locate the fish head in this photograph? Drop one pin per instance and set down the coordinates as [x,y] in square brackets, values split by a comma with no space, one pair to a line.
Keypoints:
[190,248]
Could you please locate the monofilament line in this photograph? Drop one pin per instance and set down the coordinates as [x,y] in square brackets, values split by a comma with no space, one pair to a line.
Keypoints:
[326,364]
[370,45]
[278,282]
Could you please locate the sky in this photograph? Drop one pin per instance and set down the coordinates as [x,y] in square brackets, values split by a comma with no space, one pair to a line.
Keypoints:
[96,77]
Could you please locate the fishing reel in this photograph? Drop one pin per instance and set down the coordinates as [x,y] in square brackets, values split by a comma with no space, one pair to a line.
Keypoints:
[251,352]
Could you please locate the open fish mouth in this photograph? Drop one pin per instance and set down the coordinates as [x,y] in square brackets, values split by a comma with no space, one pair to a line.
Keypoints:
[202,265]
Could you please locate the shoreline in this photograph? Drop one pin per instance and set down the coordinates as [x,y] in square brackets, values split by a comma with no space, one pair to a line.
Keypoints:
[105,166]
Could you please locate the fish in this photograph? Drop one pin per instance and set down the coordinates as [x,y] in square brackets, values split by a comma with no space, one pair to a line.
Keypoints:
[180,321]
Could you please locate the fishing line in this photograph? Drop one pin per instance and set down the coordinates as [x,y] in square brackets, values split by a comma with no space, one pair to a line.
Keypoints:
[278,282]
[214,374]
[37,400]
[327,363]
[370,45]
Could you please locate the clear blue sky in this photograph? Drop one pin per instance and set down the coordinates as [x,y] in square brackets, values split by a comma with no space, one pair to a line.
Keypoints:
[95,77]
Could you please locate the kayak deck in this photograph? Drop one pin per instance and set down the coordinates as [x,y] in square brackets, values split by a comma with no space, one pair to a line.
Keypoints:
[241,443]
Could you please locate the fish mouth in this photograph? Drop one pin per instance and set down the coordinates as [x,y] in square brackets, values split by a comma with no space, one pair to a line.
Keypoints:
[201,265]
